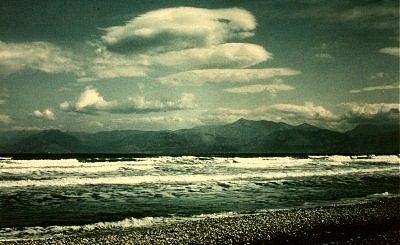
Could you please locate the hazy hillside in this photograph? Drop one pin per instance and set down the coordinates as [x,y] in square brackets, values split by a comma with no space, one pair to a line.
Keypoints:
[242,136]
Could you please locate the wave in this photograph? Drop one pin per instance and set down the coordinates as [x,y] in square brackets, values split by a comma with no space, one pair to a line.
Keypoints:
[265,162]
[77,170]
[189,178]
[40,232]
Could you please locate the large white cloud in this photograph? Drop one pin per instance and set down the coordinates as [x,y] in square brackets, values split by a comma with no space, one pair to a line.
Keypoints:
[228,55]
[45,114]
[92,102]
[180,27]
[200,77]
[42,56]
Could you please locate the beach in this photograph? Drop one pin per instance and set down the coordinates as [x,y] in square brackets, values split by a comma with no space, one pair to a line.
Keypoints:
[373,222]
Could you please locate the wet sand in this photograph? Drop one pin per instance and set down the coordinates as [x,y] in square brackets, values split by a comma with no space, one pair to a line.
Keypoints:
[375,222]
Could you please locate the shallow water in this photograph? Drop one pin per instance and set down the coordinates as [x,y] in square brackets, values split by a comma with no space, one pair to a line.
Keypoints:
[48,197]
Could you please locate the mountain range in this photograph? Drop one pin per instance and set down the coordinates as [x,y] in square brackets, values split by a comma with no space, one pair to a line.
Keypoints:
[242,136]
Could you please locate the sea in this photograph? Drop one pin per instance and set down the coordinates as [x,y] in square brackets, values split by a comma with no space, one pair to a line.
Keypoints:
[55,197]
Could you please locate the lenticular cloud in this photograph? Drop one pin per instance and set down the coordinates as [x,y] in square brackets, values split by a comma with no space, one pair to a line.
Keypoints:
[180,28]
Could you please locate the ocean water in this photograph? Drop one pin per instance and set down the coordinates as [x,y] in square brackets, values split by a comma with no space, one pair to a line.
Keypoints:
[40,198]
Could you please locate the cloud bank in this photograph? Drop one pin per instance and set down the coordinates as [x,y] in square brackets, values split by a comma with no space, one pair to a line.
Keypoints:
[200,77]
[92,102]
[41,56]
[289,113]
[371,112]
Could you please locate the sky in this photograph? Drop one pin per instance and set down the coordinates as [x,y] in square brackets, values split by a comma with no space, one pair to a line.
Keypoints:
[163,65]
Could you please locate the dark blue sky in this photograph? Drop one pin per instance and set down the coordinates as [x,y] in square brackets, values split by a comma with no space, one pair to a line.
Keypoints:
[102,65]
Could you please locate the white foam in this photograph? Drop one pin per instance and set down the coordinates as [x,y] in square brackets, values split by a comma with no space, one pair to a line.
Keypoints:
[70,166]
[38,231]
[77,170]
[190,178]
[265,162]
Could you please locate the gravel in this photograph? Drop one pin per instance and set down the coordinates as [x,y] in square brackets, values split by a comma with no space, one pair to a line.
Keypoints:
[374,222]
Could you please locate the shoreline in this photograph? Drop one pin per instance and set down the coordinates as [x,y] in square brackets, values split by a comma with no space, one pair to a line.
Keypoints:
[374,222]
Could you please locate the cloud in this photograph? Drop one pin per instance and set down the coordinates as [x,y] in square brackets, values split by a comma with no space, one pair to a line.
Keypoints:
[5,119]
[141,105]
[3,95]
[179,28]
[226,115]
[365,112]
[45,114]
[107,65]
[324,56]
[364,14]
[200,77]
[92,102]
[42,56]
[378,75]
[379,16]
[395,51]
[352,113]
[273,89]
[289,113]
[308,111]
[152,119]
[377,88]
[228,55]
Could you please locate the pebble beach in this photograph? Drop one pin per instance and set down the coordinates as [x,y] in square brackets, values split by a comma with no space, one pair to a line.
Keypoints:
[373,222]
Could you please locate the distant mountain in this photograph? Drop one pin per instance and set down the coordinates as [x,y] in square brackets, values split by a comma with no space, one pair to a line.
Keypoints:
[242,136]
[368,137]
[305,138]
[48,141]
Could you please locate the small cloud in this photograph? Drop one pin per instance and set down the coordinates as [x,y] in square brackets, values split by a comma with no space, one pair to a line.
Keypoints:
[200,77]
[5,119]
[272,89]
[45,114]
[377,75]
[395,51]
[3,96]
[376,88]
[324,56]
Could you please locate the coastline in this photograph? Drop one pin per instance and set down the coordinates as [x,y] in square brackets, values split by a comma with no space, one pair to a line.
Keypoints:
[374,222]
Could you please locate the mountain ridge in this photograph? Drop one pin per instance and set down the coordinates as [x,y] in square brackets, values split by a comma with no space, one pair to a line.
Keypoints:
[241,136]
